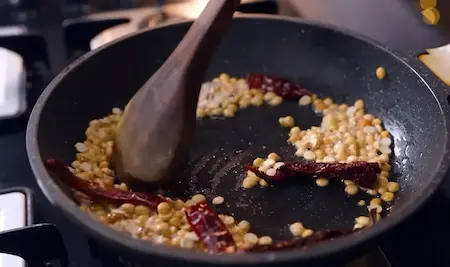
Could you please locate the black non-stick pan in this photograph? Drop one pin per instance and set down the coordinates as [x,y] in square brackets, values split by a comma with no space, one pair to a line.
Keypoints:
[333,63]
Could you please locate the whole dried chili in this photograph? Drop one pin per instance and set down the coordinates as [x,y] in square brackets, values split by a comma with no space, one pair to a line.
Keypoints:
[279,86]
[209,228]
[361,173]
[316,237]
[95,191]
[373,216]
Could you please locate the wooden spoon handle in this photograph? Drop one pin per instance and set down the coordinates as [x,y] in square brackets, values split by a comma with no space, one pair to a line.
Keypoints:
[206,32]
[195,50]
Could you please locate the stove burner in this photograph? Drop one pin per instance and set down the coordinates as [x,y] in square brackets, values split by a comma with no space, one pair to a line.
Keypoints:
[159,19]
[80,32]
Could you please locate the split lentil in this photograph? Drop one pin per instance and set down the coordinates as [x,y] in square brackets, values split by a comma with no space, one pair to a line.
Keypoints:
[381,73]
[218,200]
[346,134]
[361,203]
[297,229]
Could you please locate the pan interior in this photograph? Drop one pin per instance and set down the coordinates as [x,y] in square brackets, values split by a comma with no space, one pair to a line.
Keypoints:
[330,63]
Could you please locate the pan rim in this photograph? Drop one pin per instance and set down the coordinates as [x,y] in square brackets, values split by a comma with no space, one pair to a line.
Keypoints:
[140,247]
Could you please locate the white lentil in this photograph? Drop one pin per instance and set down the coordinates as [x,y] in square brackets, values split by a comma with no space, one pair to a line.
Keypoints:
[85,167]
[329,159]
[81,147]
[198,198]
[369,129]
[269,96]
[265,240]
[371,192]
[296,229]
[268,163]
[386,141]
[276,101]
[378,208]
[305,100]
[287,121]
[363,221]
[228,220]
[385,150]
[309,155]
[271,172]
[251,238]
[218,200]
[187,243]
[191,235]
[278,165]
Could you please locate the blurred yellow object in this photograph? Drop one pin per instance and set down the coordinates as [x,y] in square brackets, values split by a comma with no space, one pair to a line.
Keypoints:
[437,60]
[431,16]
[425,4]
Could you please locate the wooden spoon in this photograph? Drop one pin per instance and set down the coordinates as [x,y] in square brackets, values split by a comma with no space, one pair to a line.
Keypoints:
[158,124]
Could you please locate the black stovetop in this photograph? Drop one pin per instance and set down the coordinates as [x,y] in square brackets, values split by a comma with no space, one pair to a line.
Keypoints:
[420,240]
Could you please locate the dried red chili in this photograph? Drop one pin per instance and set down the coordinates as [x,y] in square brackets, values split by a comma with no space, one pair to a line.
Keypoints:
[361,173]
[316,237]
[279,86]
[373,216]
[209,228]
[95,191]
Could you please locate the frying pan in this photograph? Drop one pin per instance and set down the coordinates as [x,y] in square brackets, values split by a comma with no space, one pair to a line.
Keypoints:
[411,102]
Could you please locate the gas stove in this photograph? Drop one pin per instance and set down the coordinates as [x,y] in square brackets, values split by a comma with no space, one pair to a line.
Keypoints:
[47,35]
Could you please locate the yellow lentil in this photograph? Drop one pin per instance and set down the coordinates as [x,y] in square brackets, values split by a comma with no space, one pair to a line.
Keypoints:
[276,101]
[164,208]
[381,73]
[249,183]
[375,201]
[387,196]
[361,203]
[351,189]
[198,198]
[307,233]
[322,182]
[273,156]
[128,208]
[393,187]
[257,162]
[244,225]
[263,183]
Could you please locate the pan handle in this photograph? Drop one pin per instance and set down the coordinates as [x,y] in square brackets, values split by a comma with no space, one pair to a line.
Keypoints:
[38,244]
